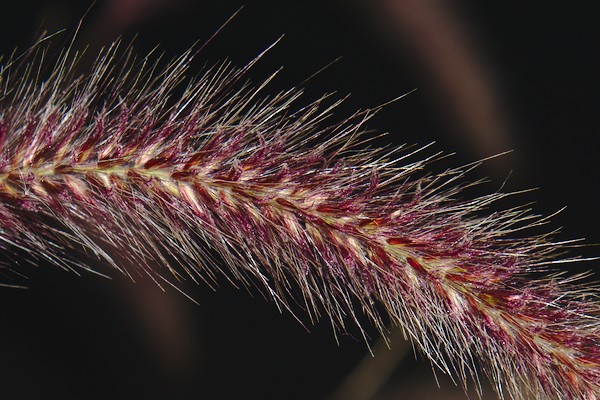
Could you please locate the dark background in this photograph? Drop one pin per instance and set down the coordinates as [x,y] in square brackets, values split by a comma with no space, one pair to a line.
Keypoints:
[82,336]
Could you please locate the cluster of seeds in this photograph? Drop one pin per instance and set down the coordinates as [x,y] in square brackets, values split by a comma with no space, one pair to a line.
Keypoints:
[157,175]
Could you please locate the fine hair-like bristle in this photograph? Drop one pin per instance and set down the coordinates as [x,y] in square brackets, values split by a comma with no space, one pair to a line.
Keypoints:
[154,175]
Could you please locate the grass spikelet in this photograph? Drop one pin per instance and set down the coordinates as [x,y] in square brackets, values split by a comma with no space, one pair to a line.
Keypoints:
[154,175]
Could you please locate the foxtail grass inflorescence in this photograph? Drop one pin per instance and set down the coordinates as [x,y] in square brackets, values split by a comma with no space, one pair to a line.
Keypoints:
[160,176]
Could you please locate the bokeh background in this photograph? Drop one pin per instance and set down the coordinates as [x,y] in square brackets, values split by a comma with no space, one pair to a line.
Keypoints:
[490,77]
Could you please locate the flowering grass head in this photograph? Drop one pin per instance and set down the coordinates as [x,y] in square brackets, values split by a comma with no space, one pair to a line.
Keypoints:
[161,176]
